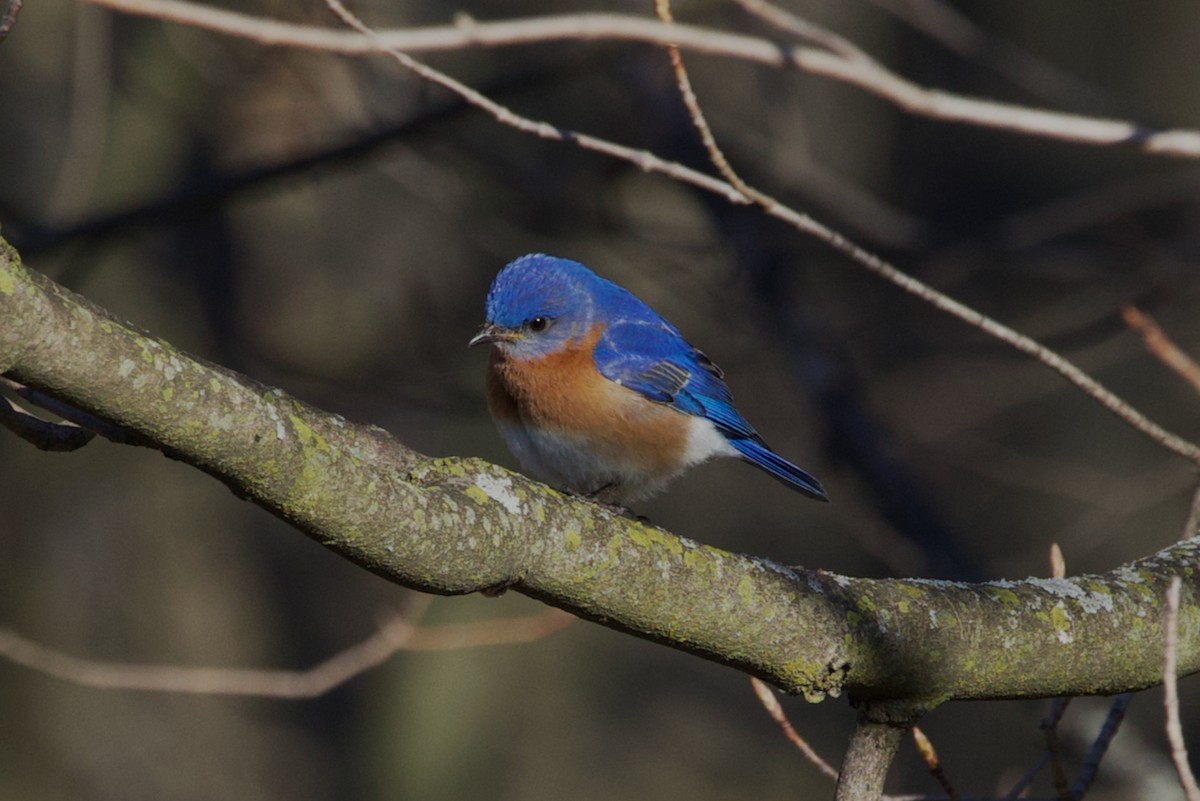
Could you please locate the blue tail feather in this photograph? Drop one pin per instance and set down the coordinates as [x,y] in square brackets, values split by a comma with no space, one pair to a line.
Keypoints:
[764,458]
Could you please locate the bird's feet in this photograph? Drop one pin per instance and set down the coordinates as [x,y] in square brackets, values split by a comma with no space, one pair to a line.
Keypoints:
[597,496]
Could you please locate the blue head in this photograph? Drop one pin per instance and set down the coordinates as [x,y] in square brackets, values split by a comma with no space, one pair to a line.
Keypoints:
[539,303]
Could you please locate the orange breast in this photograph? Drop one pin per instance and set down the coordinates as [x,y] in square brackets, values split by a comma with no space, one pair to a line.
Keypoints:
[565,393]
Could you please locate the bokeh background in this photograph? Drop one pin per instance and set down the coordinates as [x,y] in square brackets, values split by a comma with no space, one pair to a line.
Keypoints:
[330,225]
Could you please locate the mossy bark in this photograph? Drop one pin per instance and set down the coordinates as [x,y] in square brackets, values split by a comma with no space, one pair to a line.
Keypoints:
[463,525]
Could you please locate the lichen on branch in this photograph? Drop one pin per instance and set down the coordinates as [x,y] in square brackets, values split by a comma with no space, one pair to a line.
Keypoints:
[460,525]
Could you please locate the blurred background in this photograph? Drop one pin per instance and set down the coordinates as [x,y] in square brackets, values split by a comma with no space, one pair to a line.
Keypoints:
[330,225]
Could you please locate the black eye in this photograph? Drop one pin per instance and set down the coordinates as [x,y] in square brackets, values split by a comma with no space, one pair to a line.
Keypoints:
[539,324]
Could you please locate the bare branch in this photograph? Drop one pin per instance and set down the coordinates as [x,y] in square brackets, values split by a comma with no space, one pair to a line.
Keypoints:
[72,415]
[271,33]
[663,8]
[766,696]
[42,434]
[1049,728]
[1093,207]
[1179,753]
[79,163]
[1049,724]
[1161,345]
[11,9]
[1027,345]
[872,748]
[881,268]
[417,522]
[867,75]
[643,159]
[1028,777]
[808,31]
[956,32]
[395,634]
[1191,526]
[929,754]
[1091,765]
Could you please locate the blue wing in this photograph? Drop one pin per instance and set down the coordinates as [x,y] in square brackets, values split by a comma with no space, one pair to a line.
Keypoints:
[652,358]
[649,355]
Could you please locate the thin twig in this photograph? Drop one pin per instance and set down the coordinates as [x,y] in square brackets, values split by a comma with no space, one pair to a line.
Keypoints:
[1091,207]
[808,31]
[1027,345]
[767,697]
[959,34]
[271,32]
[868,75]
[945,303]
[1091,765]
[81,157]
[42,434]
[204,194]
[486,633]
[715,154]
[1049,728]
[395,634]
[1179,753]
[74,415]
[9,18]
[663,9]
[644,159]
[1028,777]
[1161,346]
[1191,526]
[929,754]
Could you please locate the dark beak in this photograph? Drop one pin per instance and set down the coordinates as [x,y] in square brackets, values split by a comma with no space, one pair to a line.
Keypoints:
[490,333]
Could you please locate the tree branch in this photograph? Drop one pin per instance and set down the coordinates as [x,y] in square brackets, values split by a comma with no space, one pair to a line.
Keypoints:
[766,697]
[872,748]
[460,525]
[855,69]
[267,31]
[395,634]
[9,18]
[1179,754]
[42,434]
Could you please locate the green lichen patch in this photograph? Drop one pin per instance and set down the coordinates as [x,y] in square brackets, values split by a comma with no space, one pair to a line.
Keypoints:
[745,590]
[476,494]
[1006,597]
[307,436]
[814,680]
[1060,618]
[696,559]
[652,538]
[573,541]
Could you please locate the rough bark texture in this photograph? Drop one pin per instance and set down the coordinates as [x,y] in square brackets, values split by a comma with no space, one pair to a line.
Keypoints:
[461,525]
[872,747]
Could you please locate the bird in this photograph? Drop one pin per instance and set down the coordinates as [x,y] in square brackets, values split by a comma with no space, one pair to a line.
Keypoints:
[597,394]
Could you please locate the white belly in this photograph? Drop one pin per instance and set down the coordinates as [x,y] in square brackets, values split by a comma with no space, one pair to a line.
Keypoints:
[572,462]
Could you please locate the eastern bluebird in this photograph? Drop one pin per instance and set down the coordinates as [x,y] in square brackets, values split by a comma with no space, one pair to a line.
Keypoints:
[595,393]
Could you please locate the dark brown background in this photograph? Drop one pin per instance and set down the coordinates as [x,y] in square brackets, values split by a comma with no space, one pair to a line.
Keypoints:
[355,283]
